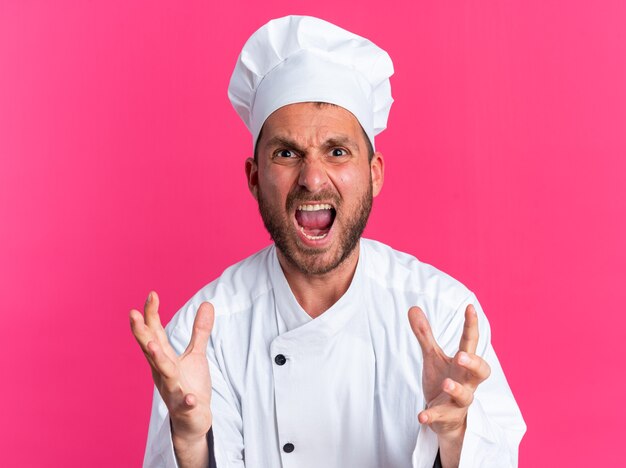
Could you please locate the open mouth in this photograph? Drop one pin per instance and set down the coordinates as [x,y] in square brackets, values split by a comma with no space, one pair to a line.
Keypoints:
[315,220]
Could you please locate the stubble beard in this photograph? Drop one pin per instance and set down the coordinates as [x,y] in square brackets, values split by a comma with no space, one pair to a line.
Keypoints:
[310,261]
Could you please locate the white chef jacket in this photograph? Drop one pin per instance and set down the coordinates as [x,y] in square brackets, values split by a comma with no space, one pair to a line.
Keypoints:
[348,391]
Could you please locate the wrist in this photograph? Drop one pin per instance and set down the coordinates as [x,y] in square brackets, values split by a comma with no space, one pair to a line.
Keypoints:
[450,446]
[183,437]
[187,441]
[453,435]
[191,452]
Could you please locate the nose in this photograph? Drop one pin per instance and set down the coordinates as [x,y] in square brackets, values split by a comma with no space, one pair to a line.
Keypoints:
[313,175]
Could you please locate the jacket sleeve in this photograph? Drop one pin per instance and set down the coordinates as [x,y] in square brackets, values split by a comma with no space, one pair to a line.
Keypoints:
[495,425]
[227,429]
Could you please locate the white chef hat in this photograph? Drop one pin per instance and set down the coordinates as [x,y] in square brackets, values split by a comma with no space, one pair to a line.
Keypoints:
[305,59]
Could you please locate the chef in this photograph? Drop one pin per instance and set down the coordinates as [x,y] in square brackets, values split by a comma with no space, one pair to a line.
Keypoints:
[323,350]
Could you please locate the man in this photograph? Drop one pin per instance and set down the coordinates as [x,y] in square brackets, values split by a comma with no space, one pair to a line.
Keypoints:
[302,355]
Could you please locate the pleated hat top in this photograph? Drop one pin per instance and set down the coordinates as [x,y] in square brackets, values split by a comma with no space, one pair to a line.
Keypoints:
[305,59]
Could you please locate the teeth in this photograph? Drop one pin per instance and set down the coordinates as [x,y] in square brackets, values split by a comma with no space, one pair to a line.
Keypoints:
[312,237]
[323,206]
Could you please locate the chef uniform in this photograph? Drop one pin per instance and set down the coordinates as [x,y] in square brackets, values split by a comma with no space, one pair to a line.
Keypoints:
[344,389]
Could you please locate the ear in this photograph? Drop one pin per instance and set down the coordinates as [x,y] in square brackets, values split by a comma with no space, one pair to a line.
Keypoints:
[252,175]
[377,169]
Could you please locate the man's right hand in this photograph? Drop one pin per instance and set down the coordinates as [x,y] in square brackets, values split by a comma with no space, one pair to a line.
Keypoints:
[183,381]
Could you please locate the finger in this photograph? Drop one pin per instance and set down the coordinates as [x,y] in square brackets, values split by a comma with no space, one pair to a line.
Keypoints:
[162,363]
[469,339]
[436,411]
[185,402]
[153,320]
[421,330]
[442,410]
[151,310]
[460,394]
[190,401]
[140,330]
[476,369]
[202,326]
[142,334]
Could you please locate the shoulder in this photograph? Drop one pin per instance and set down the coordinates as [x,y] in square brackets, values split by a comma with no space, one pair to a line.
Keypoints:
[398,281]
[232,294]
[403,273]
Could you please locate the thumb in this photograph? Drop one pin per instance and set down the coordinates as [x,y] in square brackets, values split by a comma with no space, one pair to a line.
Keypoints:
[202,326]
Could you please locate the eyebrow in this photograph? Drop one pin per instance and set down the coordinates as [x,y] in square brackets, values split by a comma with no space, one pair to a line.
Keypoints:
[329,143]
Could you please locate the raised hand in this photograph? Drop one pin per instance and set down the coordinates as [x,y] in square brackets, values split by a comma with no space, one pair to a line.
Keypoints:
[449,383]
[183,381]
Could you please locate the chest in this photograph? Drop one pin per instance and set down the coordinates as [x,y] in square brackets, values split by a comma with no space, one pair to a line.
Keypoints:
[348,394]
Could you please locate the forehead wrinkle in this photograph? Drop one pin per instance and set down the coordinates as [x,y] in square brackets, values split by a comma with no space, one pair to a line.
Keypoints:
[326,143]
[341,140]
[284,141]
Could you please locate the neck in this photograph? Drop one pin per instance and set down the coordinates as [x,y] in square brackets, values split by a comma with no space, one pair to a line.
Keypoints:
[317,293]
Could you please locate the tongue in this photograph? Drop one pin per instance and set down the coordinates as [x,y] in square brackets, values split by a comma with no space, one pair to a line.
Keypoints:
[319,220]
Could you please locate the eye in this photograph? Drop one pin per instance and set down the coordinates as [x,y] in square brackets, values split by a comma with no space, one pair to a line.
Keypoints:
[285,153]
[336,152]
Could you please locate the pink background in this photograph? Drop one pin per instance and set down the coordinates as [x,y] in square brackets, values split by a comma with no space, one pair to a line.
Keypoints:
[121,170]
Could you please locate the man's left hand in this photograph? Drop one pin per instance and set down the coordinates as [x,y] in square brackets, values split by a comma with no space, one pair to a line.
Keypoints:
[449,383]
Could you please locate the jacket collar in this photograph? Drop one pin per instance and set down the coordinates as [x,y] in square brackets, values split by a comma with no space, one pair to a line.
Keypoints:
[295,324]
